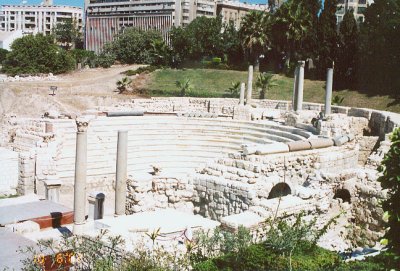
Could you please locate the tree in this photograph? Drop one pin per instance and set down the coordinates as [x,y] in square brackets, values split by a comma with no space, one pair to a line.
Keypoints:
[37,54]
[232,44]
[265,81]
[327,37]
[68,34]
[390,180]
[135,46]
[204,37]
[179,43]
[254,29]
[379,49]
[345,65]
[292,22]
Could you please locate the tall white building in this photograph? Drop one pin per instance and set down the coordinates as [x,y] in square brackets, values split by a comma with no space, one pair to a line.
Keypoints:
[32,19]
[358,7]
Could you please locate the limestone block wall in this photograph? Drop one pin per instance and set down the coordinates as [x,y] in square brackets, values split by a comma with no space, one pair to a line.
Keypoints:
[159,193]
[9,171]
[367,145]
[365,220]
[340,124]
[26,180]
[379,122]
[233,185]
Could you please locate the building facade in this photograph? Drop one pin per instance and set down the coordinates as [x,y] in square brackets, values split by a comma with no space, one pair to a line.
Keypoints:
[32,19]
[234,11]
[358,7]
[8,37]
[106,18]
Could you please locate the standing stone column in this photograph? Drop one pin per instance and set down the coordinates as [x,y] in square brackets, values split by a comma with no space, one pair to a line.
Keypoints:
[295,83]
[80,176]
[242,90]
[249,85]
[121,175]
[328,91]
[300,86]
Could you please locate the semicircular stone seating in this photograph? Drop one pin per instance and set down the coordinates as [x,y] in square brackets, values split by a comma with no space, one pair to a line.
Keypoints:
[176,145]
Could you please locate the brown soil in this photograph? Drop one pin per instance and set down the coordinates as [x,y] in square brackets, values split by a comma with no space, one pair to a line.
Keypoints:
[76,92]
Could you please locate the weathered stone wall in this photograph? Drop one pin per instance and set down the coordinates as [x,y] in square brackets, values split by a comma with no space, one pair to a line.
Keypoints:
[232,185]
[365,214]
[340,124]
[367,145]
[154,193]
[9,171]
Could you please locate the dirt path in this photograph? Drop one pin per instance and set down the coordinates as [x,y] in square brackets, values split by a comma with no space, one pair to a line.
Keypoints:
[76,92]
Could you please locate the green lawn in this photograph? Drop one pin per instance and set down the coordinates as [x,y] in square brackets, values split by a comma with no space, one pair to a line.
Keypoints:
[215,83]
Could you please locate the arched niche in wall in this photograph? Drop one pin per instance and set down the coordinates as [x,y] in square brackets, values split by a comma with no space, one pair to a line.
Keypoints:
[343,194]
[279,190]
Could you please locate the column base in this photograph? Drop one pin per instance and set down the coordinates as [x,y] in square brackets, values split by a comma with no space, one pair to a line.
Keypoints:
[78,229]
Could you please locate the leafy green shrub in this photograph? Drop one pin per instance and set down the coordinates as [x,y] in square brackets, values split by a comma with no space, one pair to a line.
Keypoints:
[233,91]
[105,59]
[43,56]
[208,265]
[391,180]
[146,69]
[216,61]
[84,57]
[3,54]
[184,86]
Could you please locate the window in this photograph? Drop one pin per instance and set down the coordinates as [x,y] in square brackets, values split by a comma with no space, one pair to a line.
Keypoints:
[363,2]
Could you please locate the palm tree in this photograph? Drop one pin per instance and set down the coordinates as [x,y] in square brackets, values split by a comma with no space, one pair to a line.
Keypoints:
[253,31]
[265,81]
[294,21]
[123,84]
[184,86]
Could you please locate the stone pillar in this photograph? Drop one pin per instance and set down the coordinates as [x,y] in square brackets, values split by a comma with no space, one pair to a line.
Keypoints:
[295,83]
[96,205]
[328,91]
[242,90]
[80,176]
[249,85]
[121,176]
[53,187]
[300,86]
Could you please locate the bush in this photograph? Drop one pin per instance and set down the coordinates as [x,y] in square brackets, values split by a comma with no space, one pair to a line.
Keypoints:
[391,180]
[147,69]
[105,59]
[43,56]
[3,54]
[84,57]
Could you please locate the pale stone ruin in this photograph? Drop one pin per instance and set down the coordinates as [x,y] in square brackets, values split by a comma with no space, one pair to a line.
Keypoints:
[226,160]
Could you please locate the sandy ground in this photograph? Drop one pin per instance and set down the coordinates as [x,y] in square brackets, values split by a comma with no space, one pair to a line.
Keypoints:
[76,92]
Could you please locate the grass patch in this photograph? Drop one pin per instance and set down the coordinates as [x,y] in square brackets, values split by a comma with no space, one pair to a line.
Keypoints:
[8,196]
[215,83]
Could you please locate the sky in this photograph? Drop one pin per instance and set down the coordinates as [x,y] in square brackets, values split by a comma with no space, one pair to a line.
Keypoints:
[80,2]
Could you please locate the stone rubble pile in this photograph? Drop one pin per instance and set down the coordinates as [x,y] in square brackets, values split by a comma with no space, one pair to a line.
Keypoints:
[31,78]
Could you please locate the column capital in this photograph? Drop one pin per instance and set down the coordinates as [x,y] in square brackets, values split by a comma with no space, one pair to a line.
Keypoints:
[82,125]
[301,63]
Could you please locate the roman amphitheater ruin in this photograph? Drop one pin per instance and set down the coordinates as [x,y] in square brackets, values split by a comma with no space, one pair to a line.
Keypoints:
[233,163]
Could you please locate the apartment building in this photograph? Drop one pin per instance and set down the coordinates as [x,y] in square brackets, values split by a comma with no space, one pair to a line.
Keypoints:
[31,19]
[358,7]
[234,11]
[106,18]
